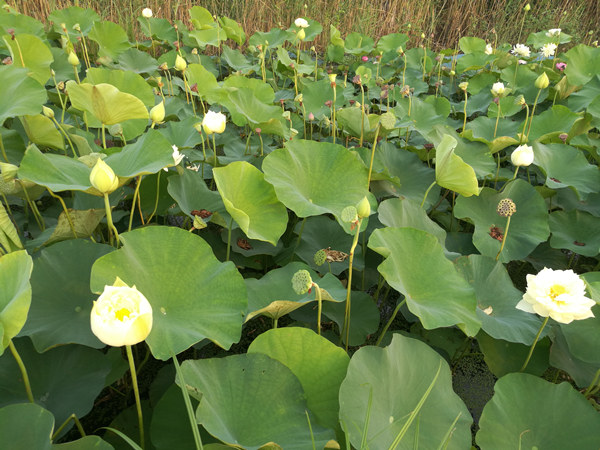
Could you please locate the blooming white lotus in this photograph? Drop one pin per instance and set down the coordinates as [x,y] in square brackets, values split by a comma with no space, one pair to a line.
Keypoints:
[553,32]
[177,156]
[548,50]
[521,50]
[498,89]
[488,49]
[214,122]
[301,23]
[559,294]
[121,315]
[522,156]
[147,13]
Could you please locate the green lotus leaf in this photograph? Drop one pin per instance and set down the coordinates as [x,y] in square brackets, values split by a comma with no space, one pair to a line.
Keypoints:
[157,28]
[209,36]
[582,372]
[31,94]
[106,103]
[523,82]
[271,39]
[497,299]
[451,172]
[583,337]
[319,365]
[205,81]
[62,301]
[21,24]
[136,61]
[313,178]
[583,64]
[233,30]
[364,317]
[502,357]
[386,401]
[193,295]
[15,296]
[170,426]
[26,426]
[528,226]
[482,129]
[74,15]
[566,166]
[250,400]
[553,121]
[111,38]
[358,44]
[125,81]
[251,201]
[32,53]
[529,412]
[41,131]
[414,261]
[390,42]
[576,231]
[9,237]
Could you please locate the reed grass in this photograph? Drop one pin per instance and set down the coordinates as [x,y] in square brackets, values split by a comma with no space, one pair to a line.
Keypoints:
[442,21]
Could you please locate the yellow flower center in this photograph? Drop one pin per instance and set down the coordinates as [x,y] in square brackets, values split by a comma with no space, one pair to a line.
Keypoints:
[557,290]
[122,314]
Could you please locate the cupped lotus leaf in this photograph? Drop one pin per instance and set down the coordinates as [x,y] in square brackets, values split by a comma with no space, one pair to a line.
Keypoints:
[74,15]
[193,295]
[233,30]
[32,94]
[497,299]
[391,42]
[201,18]
[471,45]
[26,426]
[149,154]
[65,380]
[576,231]
[473,61]
[105,102]
[583,337]
[157,28]
[32,53]
[111,38]
[125,81]
[566,166]
[482,129]
[397,403]
[529,412]
[319,364]
[9,238]
[403,212]
[451,172]
[21,24]
[62,301]
[271,39]
[414,261]
[313,178]
[528,225]
[251,201]
[358,44]
[41,131]
[263,91]
[583,64]
[237,61]
[274,297]
[15,295]
[204,80]
[209,36]
[245,107]
[250,400]
[56,172]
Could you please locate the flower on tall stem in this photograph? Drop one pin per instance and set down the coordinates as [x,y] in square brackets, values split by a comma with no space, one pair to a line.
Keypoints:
[521,50]
[147,13]
[548,49]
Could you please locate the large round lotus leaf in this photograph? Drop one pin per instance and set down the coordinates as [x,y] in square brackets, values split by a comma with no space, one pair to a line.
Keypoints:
[31,94]
[9,238]
[528,412]
[158,28]
[73,15]
[576,231]
[558,119]
[125,81]
[528,226]
[205,81]
[15,295]
[85,443]
[250,400]
[482,129]
[414,265]
[65,380]
[182,133]
[385,392]
[26,426]
[273,295]
[193,295]
[566,166]
[313,178]
[319,365]
[105,102]
[403,212]
[30,52]
[41,130]
[497,299]
[582,372]
[583,64]
[137,61]
[251,201]
[237,61]
[451,172]
[583,337]
[62,301]
[111,38]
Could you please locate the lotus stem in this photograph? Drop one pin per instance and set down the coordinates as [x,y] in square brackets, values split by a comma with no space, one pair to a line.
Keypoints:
[66,210]
[333,111]
[389,322]
[156,198]
[503,238]
[23,370]
[362,115]
[60,127]
[534,344]
[373,154]
[136,194]
[109,221]
[319,307]
[188,405]
[533,112]
[346,328]
[427,193]
[136,393]
[103,137]
[74,418]
[3,150]
[522,137]
[465,112]
[497,119]
[36,213]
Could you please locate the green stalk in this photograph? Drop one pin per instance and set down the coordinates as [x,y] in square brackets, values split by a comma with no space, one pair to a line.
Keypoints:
[362,116]
[465,112]
[497,119]
[3,150]
[156,199]
[66,136]
[346,328]
[188,405]
[522,137]
[136,193]
[320,307]
[215,150]
[136,393]
[103,137]
[229,239]
[23,370]
[333,111]
[111,226]
[389,322]
[74,418]
[532,112]
[534,343]
[504,236]
[373,154]
[65,209]
[427,193]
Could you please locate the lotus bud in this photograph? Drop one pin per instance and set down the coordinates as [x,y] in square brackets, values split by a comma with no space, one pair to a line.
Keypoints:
[214,122]
[422,35]
[147,13]
[301,34]
[452,73]
[157,114]
[311,116]
[498,89]
[301,282]
[464,85]
[363,209]
[542,81]
[527,7]
[180,63]
[103,178]
[522,156]
[400,50]
[48,112]
[9,171]
[73,59]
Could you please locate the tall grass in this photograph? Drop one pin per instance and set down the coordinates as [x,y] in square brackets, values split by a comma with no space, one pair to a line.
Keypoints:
[442,21]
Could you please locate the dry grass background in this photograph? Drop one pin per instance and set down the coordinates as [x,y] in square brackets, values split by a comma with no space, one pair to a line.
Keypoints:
[442,21]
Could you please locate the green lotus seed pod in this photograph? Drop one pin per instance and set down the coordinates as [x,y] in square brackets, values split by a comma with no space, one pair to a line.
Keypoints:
[363,209]
[301,282]
[320,257]
[349,214]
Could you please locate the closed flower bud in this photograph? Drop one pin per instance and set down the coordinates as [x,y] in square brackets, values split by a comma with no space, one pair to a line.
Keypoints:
[103,178]
[147,13]
[301,34]
[180,63]
[48,112]
[542,81]
[527,7]
[320,257]
[73,59]
[522,156]
[157,114]
[363,209]
[464,85]
[214,122]
[498,89]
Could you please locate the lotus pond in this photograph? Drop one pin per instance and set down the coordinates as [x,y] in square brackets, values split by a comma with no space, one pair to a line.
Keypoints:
[291,247]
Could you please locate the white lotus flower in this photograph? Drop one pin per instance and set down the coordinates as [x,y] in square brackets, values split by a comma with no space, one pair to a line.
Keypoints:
[147,13]
[521,50]
[559,294]
[214,122]
[488,49]
[548,50]
[553,32]
[522,156]
[498,89]
[301,23]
